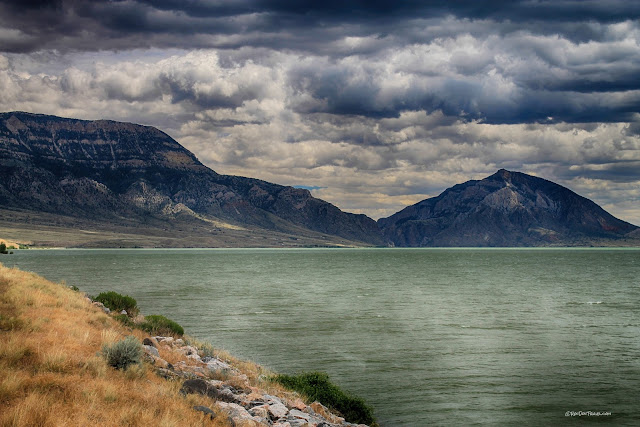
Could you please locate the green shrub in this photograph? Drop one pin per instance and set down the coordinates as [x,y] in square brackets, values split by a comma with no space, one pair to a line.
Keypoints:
[159,325]
[124,353]
[316,386]
[116,302]
[125,320]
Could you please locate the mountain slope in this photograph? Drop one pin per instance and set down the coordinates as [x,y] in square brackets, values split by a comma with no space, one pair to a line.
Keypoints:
[505,209]
[131,175]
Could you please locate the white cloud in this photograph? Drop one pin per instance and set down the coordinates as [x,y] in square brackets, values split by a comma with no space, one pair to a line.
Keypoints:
[248,114]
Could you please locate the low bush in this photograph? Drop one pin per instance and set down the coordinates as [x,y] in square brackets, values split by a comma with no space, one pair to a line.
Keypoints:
[316,386]
[124,353]
[125,320]
[159,325]
[117,302]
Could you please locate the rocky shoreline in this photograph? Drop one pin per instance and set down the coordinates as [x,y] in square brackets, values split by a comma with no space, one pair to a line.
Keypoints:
[231,391]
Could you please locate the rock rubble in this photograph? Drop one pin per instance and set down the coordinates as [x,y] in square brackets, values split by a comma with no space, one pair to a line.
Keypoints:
[231,391]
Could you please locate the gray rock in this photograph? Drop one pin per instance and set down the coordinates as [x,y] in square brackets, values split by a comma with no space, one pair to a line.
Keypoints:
[260,411]
[295,413]
[124,312]
[101,306]
[278,410]
[237,413]
[217,365]
[210,389]
[167,373]
[207,411]
[151,350]
[161,363]
[198,386]
[164,340]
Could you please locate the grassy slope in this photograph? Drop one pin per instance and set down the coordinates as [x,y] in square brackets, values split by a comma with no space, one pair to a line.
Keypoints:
[50,373]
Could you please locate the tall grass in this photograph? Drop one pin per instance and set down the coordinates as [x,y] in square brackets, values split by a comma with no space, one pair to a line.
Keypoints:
[50,374]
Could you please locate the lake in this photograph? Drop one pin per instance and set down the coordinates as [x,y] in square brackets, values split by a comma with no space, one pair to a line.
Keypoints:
[426,336]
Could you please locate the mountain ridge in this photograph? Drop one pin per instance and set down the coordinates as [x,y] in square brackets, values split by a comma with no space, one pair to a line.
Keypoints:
[123,172]
[504,209]
[123,184]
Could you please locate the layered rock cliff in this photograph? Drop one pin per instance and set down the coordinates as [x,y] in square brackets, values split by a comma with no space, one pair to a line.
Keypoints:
[114,172]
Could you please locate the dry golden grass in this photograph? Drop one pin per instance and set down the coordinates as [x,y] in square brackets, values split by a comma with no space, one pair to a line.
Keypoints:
[50,374]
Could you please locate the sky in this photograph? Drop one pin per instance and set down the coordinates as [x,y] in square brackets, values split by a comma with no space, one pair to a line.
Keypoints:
[372,105]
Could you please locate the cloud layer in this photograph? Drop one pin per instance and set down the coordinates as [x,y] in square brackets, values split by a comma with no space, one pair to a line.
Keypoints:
[375,106]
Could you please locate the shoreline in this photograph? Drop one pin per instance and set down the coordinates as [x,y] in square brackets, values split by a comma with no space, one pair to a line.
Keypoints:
[192,373]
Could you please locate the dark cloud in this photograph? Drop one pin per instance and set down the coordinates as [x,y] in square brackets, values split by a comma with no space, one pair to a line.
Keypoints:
[118,24]
[359,98]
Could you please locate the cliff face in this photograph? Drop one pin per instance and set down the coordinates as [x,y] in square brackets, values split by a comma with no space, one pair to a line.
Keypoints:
[504,209]
[120,172]
[127,175]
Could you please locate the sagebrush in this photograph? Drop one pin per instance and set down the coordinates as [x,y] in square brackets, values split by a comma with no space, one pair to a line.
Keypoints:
[124,353]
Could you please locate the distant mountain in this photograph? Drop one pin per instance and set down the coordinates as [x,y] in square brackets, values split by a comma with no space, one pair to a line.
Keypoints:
[506,209]
[111,174]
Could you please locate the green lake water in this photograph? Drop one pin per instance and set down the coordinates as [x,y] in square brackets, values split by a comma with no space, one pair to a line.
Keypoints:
[426,336]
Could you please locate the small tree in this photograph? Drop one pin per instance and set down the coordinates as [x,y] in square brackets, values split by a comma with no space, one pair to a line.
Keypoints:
[3,248]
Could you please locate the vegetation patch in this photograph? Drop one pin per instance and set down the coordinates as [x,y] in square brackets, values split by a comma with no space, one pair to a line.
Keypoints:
[50,374]
[117,302]
[155,324]
[317,386]
[124,353]
[125,320]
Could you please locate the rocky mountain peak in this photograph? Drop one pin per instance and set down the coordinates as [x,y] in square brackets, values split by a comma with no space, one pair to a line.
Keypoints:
[505,209]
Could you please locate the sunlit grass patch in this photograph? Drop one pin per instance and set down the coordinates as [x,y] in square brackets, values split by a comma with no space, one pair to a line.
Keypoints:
[50,373]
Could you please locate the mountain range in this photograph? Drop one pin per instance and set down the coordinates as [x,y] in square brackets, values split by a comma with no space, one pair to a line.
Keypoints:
[73,182]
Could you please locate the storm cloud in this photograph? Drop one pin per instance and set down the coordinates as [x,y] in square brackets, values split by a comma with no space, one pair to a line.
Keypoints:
[374,105]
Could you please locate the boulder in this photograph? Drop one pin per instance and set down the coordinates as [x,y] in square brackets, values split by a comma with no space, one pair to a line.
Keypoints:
[278,410]
[161,363]
[295,413]
[325,413]
[261,411]
[237,413]
[150,341]
[211,389]
[151,350]
[101,307]
[167,373]
[217,365]
[197,386]
[164,340]
[298,404]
